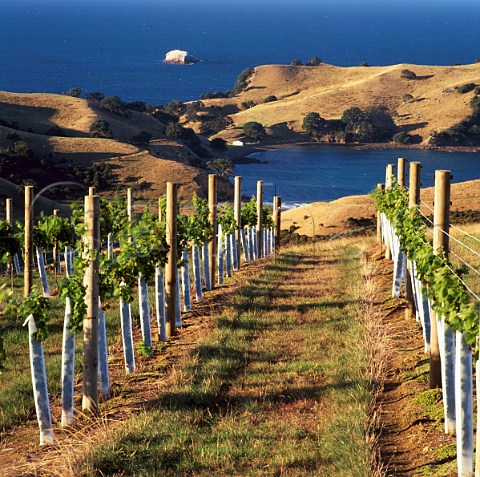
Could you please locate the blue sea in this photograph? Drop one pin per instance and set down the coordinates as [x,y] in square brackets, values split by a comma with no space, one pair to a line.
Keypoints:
[117,46]
[307,174]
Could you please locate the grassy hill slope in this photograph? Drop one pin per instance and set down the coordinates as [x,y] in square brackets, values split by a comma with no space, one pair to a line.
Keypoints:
[330,90]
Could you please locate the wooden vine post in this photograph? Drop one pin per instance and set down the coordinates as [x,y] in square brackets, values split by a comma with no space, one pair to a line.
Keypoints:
[379,217]
[277,219]
[441,226]
[8,210]
[8,219]
[388,185]
[27,276]
[130,212]
[401,171]
[259,218]
[212,207]
[237,210]
[413,201]
[90,324]
[171,266]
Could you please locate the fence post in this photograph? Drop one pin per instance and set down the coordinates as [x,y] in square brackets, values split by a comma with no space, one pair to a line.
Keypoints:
[277,219]
[237,210]
[90,324]
[441,218]
[130,212]
[259,218]
[28,266]
[379,217]
[8,210]
[55,248]
[401,170]
[171,267]
[8,219]
[413,201]
[212,207]
[388,185]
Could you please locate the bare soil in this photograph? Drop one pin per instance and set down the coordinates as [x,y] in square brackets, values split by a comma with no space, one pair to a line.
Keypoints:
[412,440]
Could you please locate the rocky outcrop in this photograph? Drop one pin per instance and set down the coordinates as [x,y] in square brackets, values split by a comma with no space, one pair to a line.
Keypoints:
[179,57]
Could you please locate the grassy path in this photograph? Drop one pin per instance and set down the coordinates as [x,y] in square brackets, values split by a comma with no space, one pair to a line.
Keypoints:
[279,387]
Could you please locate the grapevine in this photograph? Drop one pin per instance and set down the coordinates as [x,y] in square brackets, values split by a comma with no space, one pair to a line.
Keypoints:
[441,280]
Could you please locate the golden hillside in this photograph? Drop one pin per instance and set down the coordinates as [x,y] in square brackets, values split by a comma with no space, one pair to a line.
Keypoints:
[330,90]
[42,119]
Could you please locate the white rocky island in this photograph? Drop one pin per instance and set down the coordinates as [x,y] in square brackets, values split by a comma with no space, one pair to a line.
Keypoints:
[179,57]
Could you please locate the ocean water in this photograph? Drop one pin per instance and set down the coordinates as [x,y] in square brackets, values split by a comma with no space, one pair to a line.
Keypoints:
[117,46]
[307,174]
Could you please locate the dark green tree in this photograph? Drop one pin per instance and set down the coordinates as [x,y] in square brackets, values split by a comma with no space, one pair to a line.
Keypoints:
[218,144]
[408,74]
[314,61]
[95,96]
[297,62]
[223,167]
[313,123]
[73,92]
[242,79]
[254,130]
[113,104]
[101,129]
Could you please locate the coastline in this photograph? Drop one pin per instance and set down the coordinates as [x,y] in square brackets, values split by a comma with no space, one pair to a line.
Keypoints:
[241,154]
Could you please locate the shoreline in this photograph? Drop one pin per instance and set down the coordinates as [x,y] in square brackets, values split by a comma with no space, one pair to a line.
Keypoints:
[240,154]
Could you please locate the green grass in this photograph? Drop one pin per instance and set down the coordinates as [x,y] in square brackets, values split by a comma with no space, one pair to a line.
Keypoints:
[278,388]
[16,394]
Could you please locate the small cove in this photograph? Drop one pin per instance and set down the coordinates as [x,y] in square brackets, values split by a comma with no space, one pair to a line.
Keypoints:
[308,174]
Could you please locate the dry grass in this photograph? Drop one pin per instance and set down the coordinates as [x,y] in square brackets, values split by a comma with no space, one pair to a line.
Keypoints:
[327,218]
[330,90]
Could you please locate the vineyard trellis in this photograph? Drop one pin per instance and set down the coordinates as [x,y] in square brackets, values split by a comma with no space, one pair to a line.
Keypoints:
[108,252]
[437,293]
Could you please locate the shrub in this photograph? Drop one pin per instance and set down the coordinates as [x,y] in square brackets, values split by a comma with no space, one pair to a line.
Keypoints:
[466,88]
[407,98]
[296,62]
[254,130]
[475,102]
[315,61]
[477,90]
[242,79]
[223,167]
[192,109]
[174,131]
[402,138]
[248,104]
[73,92]
[138,106]
[217,94]
[163,117]
[215,125]
[141,139]
[101,128]
[363,63]
[313,123]
[218,144]
[174,108]
[113,104]
[407,74]
[270,98]
[94,96]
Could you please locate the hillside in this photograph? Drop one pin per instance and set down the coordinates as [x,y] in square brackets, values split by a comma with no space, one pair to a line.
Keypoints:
[330,90]
[339,216]
[56,130]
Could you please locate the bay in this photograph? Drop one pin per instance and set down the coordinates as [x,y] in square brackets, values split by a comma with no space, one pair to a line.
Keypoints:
[315,173]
